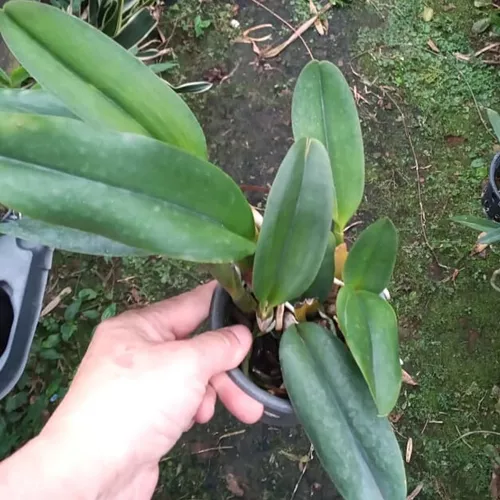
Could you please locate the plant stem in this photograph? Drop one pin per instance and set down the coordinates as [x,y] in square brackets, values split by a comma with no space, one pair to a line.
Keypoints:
[229,276]
[338,233]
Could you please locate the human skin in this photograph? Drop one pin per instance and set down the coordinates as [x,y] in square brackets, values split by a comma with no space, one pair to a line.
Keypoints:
[142,383]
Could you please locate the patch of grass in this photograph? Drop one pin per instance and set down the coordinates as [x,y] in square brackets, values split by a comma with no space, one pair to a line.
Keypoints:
[448,321]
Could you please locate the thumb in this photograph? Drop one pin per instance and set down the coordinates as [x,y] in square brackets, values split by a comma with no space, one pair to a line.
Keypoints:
[221,350]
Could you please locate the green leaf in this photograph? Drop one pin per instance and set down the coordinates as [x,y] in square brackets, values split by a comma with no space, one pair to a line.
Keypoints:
[18,76]
[50,354]
[87,294]
[128,188]
[96,78]
[71,312]
[93,12]
[323,108]
[16,401]
[162,67]
[356,447]
[296,225]
[480,223]
[67,331]
[481,26]
[109,312]
[111,24]
[91,314]
[37,102]
[192,87]
[137,28]
[371,260]
[370,328]
[65,238]
[493,236]
[51,341]
[322,285]
[494,118]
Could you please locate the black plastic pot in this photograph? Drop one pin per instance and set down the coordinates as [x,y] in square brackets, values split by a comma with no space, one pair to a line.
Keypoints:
[24,269]
[277,411]
[491,196]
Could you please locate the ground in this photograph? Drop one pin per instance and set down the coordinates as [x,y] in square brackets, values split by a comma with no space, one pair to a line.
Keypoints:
[419,104]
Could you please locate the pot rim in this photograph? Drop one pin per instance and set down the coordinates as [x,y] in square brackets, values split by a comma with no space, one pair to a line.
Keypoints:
[220,301]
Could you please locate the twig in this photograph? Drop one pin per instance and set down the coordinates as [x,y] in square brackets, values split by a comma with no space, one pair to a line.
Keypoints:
[304,469]
[231,434]
[55,302]
[217,448]
[423,220]
[172,33]
[415,492]
[472,433]
[354,224]
[231,73]
[487,48]
[493,280]
[274,51]
[286,23]
[425,427]
[462,437]
[476,103]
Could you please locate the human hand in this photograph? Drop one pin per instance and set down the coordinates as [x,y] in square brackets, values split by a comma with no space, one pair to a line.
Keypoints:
[141,384]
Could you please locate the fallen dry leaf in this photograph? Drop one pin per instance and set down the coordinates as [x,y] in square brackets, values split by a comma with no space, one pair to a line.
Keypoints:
[462,57]
[479,247]
[432,46]
[415,492]
[409,450]
[449,7]
[408,379]
[319,25]
[489,47]
[55,302]
[428,14]
[295,458]
[275,51]
[233,485]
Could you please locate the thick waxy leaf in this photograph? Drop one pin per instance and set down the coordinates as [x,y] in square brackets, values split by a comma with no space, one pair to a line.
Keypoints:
[323,107]
[192,87]
[494,118]
[64,238]
[36,102]
[493,236]
[479,223]
[137,28]
[129,188]
[355,446]
[322,285]
[371,260]
[296,225]
[95,78]
[370,327]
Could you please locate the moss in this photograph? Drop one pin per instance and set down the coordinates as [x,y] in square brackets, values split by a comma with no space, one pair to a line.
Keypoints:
[448,320]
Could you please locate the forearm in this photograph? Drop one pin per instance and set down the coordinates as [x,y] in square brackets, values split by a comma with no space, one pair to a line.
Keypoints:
[52,467]
[40,471]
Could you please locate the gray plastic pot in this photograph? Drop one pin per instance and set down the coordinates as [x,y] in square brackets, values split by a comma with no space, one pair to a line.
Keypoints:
[277,411]
[24,269]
